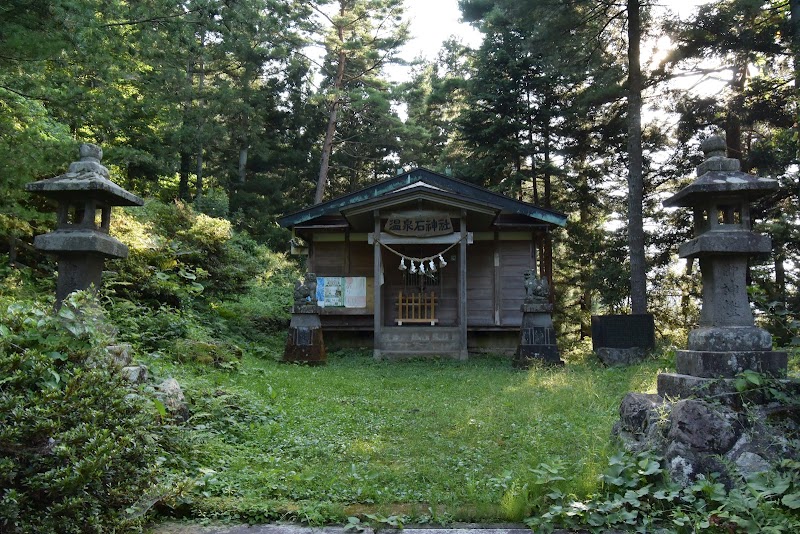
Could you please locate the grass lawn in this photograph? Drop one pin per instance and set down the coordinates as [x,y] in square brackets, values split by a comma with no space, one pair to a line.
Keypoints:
[433,441]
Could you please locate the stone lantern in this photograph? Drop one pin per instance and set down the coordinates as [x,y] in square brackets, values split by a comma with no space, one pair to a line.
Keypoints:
[727,341]
[85,195]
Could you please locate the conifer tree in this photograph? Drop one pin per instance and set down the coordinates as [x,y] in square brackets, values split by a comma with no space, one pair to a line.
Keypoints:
[362,37]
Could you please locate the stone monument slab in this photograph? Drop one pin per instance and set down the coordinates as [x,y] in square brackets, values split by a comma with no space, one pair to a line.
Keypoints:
[623,331]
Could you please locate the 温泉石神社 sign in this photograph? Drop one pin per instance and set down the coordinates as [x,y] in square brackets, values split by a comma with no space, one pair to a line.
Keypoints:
[419,224]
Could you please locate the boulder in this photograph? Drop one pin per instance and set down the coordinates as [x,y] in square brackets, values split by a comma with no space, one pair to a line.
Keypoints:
[171,394]
[135,374]
[702,436]
[120,354]
[703,427]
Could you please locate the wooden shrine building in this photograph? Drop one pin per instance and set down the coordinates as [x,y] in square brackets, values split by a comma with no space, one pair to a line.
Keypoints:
[423,264]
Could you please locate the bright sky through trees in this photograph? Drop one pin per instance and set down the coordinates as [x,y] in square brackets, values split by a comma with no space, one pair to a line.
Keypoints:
[434,21]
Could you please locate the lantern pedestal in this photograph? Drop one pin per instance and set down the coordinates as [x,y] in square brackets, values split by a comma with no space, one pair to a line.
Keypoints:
[304,342]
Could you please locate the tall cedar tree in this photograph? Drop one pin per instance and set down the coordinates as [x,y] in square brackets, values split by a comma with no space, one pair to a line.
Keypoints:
[635,171]
[363,36]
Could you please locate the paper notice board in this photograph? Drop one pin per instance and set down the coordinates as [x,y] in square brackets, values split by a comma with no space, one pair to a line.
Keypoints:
[342,291]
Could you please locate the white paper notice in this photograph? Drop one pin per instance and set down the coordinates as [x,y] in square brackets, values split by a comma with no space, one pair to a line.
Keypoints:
[355,292]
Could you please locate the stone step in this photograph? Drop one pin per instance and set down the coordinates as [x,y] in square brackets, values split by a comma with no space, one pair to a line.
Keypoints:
[409,342]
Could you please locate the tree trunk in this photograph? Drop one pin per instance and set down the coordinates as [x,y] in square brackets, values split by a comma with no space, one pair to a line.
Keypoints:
[795,22]
[201,78]
[531,152]
[183,180]
[635,174]
[779,252]
[327,145]
[685,297]
[548,201]
[585,261]
[242,164]
[733,120]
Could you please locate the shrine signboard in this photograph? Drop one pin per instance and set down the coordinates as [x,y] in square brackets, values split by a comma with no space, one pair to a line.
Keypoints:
[419,224]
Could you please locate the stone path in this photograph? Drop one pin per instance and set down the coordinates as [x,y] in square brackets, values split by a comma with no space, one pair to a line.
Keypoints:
[182,528]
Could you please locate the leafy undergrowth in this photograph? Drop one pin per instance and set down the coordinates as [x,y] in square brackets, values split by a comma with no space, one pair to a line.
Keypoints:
[425,441]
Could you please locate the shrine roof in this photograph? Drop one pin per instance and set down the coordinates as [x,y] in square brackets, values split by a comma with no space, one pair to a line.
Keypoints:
[423,181]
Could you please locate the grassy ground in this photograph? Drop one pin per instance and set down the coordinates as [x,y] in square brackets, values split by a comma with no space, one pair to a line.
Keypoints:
[433,441]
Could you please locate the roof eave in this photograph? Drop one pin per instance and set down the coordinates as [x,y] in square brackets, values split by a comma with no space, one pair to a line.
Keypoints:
[403,180]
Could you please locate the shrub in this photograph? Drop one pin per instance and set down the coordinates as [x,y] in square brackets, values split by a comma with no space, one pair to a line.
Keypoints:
[216,353]
[77,447]
[149,329]
[637,494]
[177,254]
[213,202]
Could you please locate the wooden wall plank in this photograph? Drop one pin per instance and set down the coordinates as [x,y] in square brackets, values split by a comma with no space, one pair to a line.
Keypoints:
[329,259]
[515,258]
[361,259]
[480,284]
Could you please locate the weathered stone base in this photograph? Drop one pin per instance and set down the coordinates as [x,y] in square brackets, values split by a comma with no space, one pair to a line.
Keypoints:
[537,338]
[304,343]
[723,390]
[729,338]
[613,357]
[411,342]
[529,355]
[700,436]
[728,364]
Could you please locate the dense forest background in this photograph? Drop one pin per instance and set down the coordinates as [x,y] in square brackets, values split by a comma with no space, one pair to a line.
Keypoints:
[225,114]
[249,109]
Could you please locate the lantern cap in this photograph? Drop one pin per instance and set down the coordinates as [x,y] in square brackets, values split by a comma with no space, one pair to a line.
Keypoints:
[86,178]
[720,176]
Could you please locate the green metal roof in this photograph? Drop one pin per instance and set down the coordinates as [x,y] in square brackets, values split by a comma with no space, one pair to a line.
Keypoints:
[463,189]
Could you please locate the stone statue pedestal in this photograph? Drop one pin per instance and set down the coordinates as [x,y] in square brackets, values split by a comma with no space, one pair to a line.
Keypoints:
[537,338]
[720,354]
[304,342]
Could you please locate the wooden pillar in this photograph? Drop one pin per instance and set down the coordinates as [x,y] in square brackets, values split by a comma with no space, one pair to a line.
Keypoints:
[347,252]
[548,258]
[378,279]
[497,290]
[462,286]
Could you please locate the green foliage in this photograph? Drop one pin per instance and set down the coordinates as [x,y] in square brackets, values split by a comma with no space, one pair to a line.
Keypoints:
[78,445]
[149,329]
[214,203]
[177,254]
[781,321]
[637,494]
[217,353]
[264,308]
